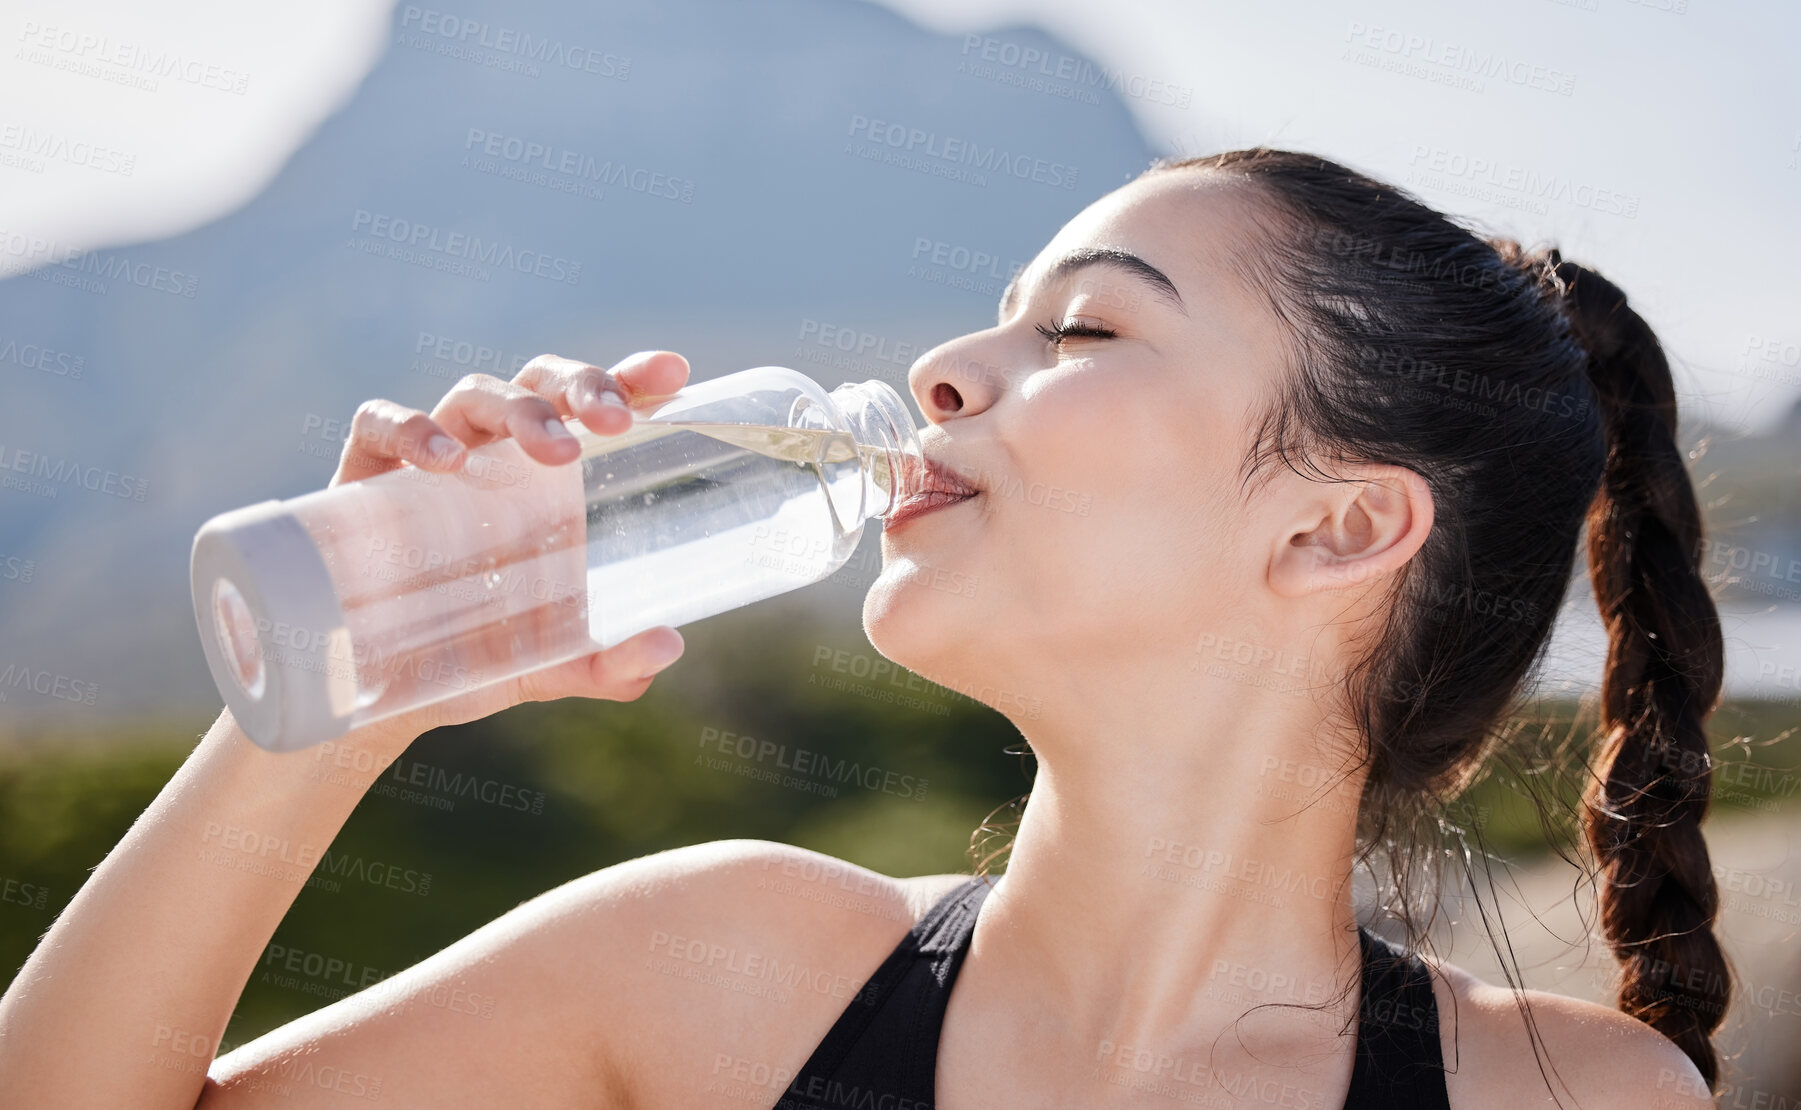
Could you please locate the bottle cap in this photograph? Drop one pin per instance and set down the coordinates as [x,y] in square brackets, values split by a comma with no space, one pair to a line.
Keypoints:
[272,629]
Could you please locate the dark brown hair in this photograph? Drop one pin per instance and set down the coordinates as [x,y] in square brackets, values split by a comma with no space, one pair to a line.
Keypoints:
[1533,401]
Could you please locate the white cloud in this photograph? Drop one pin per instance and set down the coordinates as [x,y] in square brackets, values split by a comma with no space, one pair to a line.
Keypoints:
[127,122]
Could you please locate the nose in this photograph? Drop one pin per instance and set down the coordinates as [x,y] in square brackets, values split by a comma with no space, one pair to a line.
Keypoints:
[956,379]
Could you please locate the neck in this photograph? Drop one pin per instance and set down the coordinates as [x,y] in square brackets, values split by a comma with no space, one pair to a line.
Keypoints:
[1183,857]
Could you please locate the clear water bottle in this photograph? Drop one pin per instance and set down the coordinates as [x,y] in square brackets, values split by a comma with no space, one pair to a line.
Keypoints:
[326,612]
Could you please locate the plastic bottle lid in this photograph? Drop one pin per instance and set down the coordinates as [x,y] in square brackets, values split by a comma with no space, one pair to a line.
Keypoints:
[272,629]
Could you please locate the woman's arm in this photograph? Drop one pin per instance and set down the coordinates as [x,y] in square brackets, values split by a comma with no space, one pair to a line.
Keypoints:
[124,1000]
[695,977]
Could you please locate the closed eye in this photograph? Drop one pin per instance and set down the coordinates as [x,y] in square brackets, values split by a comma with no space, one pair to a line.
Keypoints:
[1058,333]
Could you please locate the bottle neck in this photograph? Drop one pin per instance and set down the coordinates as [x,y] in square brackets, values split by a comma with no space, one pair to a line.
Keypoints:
[879,421]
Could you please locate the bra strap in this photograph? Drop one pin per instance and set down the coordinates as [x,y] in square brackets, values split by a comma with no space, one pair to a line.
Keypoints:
[887,1038]
[1399,1061]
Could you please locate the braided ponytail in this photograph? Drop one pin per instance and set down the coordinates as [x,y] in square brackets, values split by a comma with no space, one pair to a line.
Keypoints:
[1642,810]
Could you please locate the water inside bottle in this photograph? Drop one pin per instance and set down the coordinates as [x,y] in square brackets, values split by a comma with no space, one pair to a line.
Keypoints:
[798,445]
[782,504]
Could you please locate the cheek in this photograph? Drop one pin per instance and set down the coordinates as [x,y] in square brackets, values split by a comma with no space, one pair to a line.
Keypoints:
[1066,432]
[1109,443]
[1127,505]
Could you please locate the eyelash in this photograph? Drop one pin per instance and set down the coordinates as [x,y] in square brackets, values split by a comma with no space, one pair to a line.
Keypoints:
[1057,333]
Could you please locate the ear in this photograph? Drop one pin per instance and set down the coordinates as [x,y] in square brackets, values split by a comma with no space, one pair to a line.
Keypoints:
[1353,531]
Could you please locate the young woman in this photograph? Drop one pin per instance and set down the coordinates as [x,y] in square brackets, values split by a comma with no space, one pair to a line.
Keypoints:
[1336,453]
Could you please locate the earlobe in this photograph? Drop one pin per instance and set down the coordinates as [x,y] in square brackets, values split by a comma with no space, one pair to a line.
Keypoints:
[1356,531]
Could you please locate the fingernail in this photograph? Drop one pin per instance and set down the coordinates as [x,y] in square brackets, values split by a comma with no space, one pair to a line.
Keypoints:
[659,655]
[557,429]
[608,397]
[441,447]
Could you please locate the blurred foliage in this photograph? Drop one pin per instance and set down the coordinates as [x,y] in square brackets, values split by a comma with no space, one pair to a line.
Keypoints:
[500,810]
[1525,800]
[871,765]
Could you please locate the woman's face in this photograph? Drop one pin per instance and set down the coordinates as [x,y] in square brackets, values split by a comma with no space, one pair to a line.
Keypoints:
[1110,533]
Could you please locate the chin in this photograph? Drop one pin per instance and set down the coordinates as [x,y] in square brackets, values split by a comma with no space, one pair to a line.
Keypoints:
[910,622]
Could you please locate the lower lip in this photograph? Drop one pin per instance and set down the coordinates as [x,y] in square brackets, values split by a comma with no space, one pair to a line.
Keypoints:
[920,508]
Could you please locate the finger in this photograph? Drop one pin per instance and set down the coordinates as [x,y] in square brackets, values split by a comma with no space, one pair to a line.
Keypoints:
[620,673]
[583,390]
[384,434]
[578,389]
[482,408]
[651,374]
[644,378]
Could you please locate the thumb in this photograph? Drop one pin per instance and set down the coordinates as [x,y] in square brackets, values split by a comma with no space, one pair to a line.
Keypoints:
[620,673]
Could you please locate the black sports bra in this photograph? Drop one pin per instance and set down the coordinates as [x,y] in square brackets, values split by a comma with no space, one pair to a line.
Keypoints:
[883,1051]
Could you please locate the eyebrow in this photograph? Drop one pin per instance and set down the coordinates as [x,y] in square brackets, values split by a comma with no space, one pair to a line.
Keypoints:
[1101,256]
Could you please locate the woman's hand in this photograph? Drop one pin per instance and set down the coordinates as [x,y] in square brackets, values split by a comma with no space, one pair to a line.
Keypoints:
[529,409]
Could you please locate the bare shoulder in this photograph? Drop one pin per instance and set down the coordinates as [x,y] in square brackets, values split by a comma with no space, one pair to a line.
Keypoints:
[1593,1056]
[699,976]
[763,885]
[741,955]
